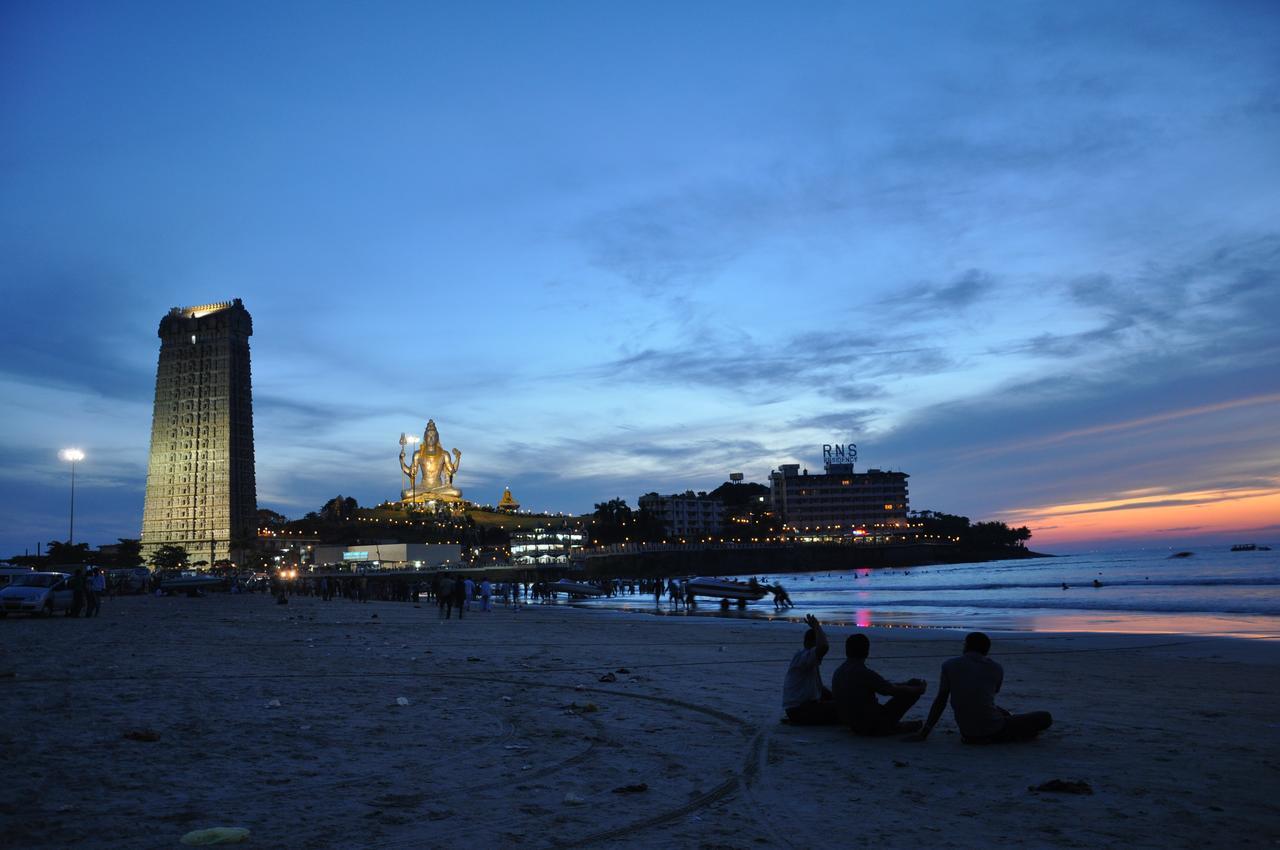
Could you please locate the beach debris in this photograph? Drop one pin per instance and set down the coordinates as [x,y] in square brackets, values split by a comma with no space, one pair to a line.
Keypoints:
[472,659]
[573,799]
[275,703]
[216,835]
[1062,786]
[579,687]
[506,699]
[402,701]
[526,767]
[631,789]
[623,670]
[608,677]
[374,617]
[897,763]
[145,735]
[516,747]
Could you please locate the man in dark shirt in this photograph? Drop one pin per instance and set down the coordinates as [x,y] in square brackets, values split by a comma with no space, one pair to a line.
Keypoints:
[855,688]
[972,682]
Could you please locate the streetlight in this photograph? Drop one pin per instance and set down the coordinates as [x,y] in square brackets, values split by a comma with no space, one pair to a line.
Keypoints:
[72,455]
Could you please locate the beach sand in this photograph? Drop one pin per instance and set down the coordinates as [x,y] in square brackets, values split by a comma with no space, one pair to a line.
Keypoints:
[510,739]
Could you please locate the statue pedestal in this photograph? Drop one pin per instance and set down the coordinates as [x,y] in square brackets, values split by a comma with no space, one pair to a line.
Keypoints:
[432,499]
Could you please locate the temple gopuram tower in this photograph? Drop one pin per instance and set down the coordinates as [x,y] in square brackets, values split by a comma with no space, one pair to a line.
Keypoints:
[201,493]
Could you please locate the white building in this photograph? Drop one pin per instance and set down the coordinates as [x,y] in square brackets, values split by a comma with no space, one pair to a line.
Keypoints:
[545,545]
[685,515]
[390,556]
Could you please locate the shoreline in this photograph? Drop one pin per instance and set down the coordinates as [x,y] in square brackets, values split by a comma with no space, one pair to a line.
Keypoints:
[1099,622]
[284,719]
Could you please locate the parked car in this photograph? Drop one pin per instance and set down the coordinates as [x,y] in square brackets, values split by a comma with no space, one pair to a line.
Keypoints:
[8,572]
[37,593]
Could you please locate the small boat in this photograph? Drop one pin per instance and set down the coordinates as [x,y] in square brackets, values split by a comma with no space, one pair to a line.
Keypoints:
[1182,554]
[718,588]
[1250,547]
[575,588]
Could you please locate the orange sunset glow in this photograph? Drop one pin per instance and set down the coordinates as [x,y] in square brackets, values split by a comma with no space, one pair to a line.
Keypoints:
[1149,515]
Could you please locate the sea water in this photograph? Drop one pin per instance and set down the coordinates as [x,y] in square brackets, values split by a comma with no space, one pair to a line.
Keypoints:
[1212,592]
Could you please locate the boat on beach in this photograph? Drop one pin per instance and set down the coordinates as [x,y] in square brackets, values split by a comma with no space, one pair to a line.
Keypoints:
[575,588]
[190,582]
[718,588]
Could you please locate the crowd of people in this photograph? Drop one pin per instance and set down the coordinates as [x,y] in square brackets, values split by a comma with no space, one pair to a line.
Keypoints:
[970,682]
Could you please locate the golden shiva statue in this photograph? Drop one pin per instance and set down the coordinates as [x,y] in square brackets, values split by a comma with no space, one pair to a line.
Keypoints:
[435,466]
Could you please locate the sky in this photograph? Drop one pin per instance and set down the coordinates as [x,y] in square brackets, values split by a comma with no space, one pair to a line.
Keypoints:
[1028,253]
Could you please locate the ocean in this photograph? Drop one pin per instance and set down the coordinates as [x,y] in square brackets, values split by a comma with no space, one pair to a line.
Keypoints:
[1213,592]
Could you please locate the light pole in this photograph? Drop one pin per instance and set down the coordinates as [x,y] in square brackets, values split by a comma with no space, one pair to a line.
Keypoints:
[72,455]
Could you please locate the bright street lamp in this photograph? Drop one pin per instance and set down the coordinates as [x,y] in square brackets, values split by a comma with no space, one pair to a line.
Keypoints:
[72,455]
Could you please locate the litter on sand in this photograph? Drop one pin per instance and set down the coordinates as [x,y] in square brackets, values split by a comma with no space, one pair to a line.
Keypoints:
[1062,786]
[402,701]
[216,835]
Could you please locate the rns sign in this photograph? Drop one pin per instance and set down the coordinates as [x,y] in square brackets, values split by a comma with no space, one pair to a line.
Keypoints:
[839,452]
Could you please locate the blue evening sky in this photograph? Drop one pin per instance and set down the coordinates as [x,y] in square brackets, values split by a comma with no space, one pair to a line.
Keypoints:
[1027,252]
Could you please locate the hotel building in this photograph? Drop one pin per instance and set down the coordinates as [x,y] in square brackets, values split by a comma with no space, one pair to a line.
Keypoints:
[839,502]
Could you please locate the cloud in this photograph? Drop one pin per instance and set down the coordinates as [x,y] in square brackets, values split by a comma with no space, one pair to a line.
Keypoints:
[969,288]
[679,237]
[845,421]
[799,362]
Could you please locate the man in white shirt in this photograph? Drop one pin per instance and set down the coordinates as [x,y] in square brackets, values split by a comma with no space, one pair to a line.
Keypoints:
[805,699]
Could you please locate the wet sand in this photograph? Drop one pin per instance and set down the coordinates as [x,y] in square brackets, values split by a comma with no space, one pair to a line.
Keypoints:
[510,739]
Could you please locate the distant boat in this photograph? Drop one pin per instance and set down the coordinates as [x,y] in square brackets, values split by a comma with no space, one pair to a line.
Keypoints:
[1182,554]
[190,581]
[724,589]
[1250,547]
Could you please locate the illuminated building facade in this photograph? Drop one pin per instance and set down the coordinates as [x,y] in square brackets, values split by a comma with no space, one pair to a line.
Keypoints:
[840,502]
[201,492]
[545,545]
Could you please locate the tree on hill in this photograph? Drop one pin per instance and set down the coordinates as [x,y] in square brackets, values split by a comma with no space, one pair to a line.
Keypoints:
[128,553]
[613,522]
[739,494]
[67,553]
[976,534]
[169,558]
[270,519]
[339,509]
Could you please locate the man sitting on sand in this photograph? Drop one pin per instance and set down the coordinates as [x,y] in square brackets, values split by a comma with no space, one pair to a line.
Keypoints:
[805,699]
[972,681]
[855,688]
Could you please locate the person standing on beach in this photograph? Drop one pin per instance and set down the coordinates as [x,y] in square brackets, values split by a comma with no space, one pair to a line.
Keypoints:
[855,688]
[77,592]
[460,594]
[486,595]
[805,699]
[444,597]
[972,681]
[469,587]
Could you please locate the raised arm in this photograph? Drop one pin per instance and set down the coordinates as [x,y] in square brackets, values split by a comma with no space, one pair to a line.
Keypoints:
[819,636]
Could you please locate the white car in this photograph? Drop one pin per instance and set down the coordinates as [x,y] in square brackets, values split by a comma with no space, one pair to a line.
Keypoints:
[36,593]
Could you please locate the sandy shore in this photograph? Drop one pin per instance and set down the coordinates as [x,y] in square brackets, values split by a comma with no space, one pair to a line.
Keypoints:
[509,738]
